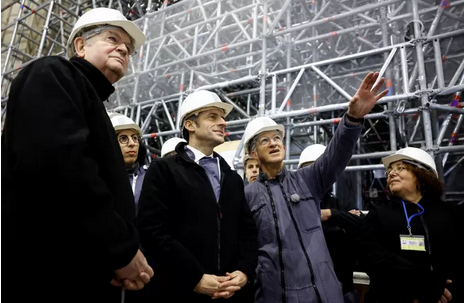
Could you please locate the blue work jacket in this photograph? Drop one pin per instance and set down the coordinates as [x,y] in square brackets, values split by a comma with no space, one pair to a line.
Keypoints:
[294,264]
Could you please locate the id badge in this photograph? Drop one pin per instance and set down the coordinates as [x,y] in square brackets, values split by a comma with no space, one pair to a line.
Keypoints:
[414,242]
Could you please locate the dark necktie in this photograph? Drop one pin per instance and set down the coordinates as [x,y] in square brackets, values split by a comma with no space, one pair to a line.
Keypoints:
[211,169]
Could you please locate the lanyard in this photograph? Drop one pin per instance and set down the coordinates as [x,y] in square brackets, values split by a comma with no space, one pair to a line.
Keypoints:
[411,217]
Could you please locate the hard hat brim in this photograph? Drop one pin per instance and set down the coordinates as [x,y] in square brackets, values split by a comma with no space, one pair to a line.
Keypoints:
[278,127]
[134,127]
[387,161]
[131,29]
[227,108]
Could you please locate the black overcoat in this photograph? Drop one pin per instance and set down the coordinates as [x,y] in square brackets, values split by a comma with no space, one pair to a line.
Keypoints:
[400,275]
[186,233]
[67,207]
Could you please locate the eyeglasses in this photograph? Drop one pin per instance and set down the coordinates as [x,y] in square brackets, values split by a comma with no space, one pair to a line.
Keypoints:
[396,170]
[110,38]
[115,42]
[265,140]
[123,139]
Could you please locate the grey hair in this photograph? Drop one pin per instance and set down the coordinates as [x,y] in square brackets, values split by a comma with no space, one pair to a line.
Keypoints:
[90,32]
[253,143]
[93,31]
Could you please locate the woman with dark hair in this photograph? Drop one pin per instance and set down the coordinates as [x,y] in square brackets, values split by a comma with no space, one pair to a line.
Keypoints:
[412,246]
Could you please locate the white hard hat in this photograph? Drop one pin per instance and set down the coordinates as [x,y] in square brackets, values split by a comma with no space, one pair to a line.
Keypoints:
[311,153]
[416,155]
[257,126]
[105,16]
[170,145]
[201,99]
[121,122]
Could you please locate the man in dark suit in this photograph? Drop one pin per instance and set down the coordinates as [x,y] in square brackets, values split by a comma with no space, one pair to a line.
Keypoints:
[194,221]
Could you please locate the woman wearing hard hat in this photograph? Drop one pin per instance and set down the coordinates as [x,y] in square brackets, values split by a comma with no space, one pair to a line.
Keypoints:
[412,246]
[341,224]
[129,136]
[66,205]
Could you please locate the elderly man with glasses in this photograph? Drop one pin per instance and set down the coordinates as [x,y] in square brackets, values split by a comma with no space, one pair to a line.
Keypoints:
[67,207]
[294,264]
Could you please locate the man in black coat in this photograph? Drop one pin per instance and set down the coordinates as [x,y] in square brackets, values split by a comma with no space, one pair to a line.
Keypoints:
[67,207]
[193,219]
[341,226]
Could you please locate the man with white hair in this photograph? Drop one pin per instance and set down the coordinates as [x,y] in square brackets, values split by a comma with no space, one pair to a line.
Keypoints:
[294,262]
[341,223]
[193,219]
[67,207]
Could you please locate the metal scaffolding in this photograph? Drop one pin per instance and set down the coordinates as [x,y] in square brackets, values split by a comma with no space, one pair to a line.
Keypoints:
[35,28]
[298,62]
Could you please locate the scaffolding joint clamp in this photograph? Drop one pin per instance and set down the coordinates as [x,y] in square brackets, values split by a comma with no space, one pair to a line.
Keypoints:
[394,113]
[421,41]
[435,150]
[428,105]
[186,93]
[387,113]
[400,107]
[420,93]
[261,75]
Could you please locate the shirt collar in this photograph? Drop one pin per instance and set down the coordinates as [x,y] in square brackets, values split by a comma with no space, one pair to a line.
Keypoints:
[134,169]
[197,154]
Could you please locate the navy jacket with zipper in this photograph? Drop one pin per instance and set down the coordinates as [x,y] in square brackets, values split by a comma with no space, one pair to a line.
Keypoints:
[399,275]
[187,233]
[294,264]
